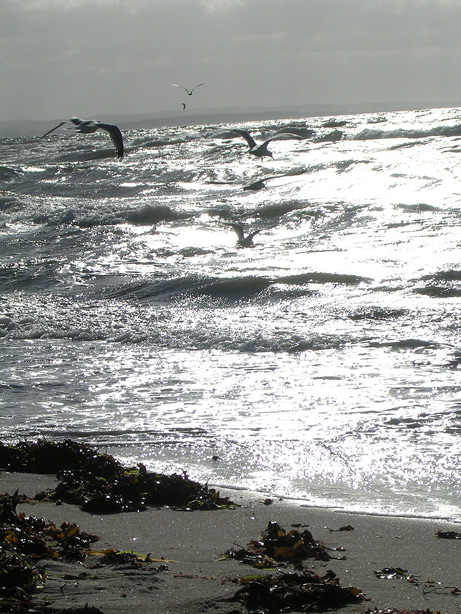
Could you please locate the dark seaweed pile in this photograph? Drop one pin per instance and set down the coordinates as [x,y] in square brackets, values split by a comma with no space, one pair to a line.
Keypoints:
[305,591]
[300,592]
[276,544]
[98,483]
[25,540]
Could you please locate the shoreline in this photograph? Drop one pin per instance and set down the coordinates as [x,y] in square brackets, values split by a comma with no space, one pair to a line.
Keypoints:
[198,577]
[253,495]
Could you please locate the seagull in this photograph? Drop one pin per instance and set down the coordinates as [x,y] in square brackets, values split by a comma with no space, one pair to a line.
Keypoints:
[189,92]
[242,240]
[259,184]
[183,104]
[88,126]
[261,150]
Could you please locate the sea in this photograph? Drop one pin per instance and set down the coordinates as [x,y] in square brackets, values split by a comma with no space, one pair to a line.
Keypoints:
[322,365]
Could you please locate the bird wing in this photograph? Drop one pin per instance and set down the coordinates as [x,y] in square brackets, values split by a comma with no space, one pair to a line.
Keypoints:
[292,173]
[283,136]
[184,88]
[274,177]
[78,122]
[195,86]
[256,185]
[248,138]
[53,129]
[115,136]
[237,228]
[255,232]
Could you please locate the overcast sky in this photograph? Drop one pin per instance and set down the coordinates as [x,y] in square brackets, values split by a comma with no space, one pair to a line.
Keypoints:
[90,58]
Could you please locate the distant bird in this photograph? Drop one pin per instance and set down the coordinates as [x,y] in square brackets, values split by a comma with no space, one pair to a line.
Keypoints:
[183,104]
[261,150]
[88,126]
[260,184]
[242,240]
[189,92]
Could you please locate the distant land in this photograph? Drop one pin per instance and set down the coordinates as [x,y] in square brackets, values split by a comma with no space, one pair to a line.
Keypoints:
[30,127]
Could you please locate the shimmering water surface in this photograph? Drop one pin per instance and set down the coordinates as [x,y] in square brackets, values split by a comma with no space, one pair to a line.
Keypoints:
[321,364]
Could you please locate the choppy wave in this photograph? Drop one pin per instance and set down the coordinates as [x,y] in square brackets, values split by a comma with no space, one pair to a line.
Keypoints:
[323,363]
[408,133]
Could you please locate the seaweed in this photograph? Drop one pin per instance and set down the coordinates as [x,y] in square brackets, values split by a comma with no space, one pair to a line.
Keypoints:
[277,545]
[25,540]
[397,611]
[98,483]
[448,534]
[390,573]
[305,591]
[301,592]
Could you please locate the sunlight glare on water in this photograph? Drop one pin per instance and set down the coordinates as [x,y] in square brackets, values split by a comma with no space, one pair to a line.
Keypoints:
[322,364]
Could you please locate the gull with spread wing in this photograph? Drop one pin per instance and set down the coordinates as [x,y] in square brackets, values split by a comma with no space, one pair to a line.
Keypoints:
[261,150]
[242,239]
[189,91]
[88,126]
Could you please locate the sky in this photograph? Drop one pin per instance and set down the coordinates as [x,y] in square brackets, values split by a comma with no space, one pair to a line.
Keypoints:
[91,58]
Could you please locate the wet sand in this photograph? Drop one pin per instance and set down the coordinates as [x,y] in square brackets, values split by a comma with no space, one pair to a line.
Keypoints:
[191,575]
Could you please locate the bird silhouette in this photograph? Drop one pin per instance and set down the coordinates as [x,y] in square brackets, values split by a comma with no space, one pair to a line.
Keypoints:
[242,240]
[260,184]
[261,150]
[88,126]
[189,92]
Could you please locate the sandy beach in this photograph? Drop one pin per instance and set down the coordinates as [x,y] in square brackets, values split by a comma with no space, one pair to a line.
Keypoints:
[191,574]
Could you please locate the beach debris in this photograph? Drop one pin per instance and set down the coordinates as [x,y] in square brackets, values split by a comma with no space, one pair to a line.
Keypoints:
[429,586]
[347,527]
[98,483]
[129,558]
[441,590]
[25,540]
[448,534]
[277,545]
[390,573]
[86,609]
[286,592]
[394,611]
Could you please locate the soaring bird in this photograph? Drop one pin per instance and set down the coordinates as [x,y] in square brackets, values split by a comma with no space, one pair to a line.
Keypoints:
[183,104]
[189,92]
[88,126]
[242,240]
[261,150]
[260,184]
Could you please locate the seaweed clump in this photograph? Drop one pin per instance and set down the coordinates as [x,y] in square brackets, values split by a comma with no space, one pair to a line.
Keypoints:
[25,540]
[304,591]
[277,545]
[300,592]
[98,483]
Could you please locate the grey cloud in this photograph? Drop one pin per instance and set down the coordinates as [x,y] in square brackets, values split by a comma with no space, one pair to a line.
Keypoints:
[94,56]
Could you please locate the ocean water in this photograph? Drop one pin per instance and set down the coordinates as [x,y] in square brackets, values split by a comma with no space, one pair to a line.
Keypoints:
[323,364]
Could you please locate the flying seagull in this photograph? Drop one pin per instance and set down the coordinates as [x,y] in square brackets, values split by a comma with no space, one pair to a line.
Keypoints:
[259,184]
[88,126]
[189,92]
[183,104]
[242,240]
[261,150]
